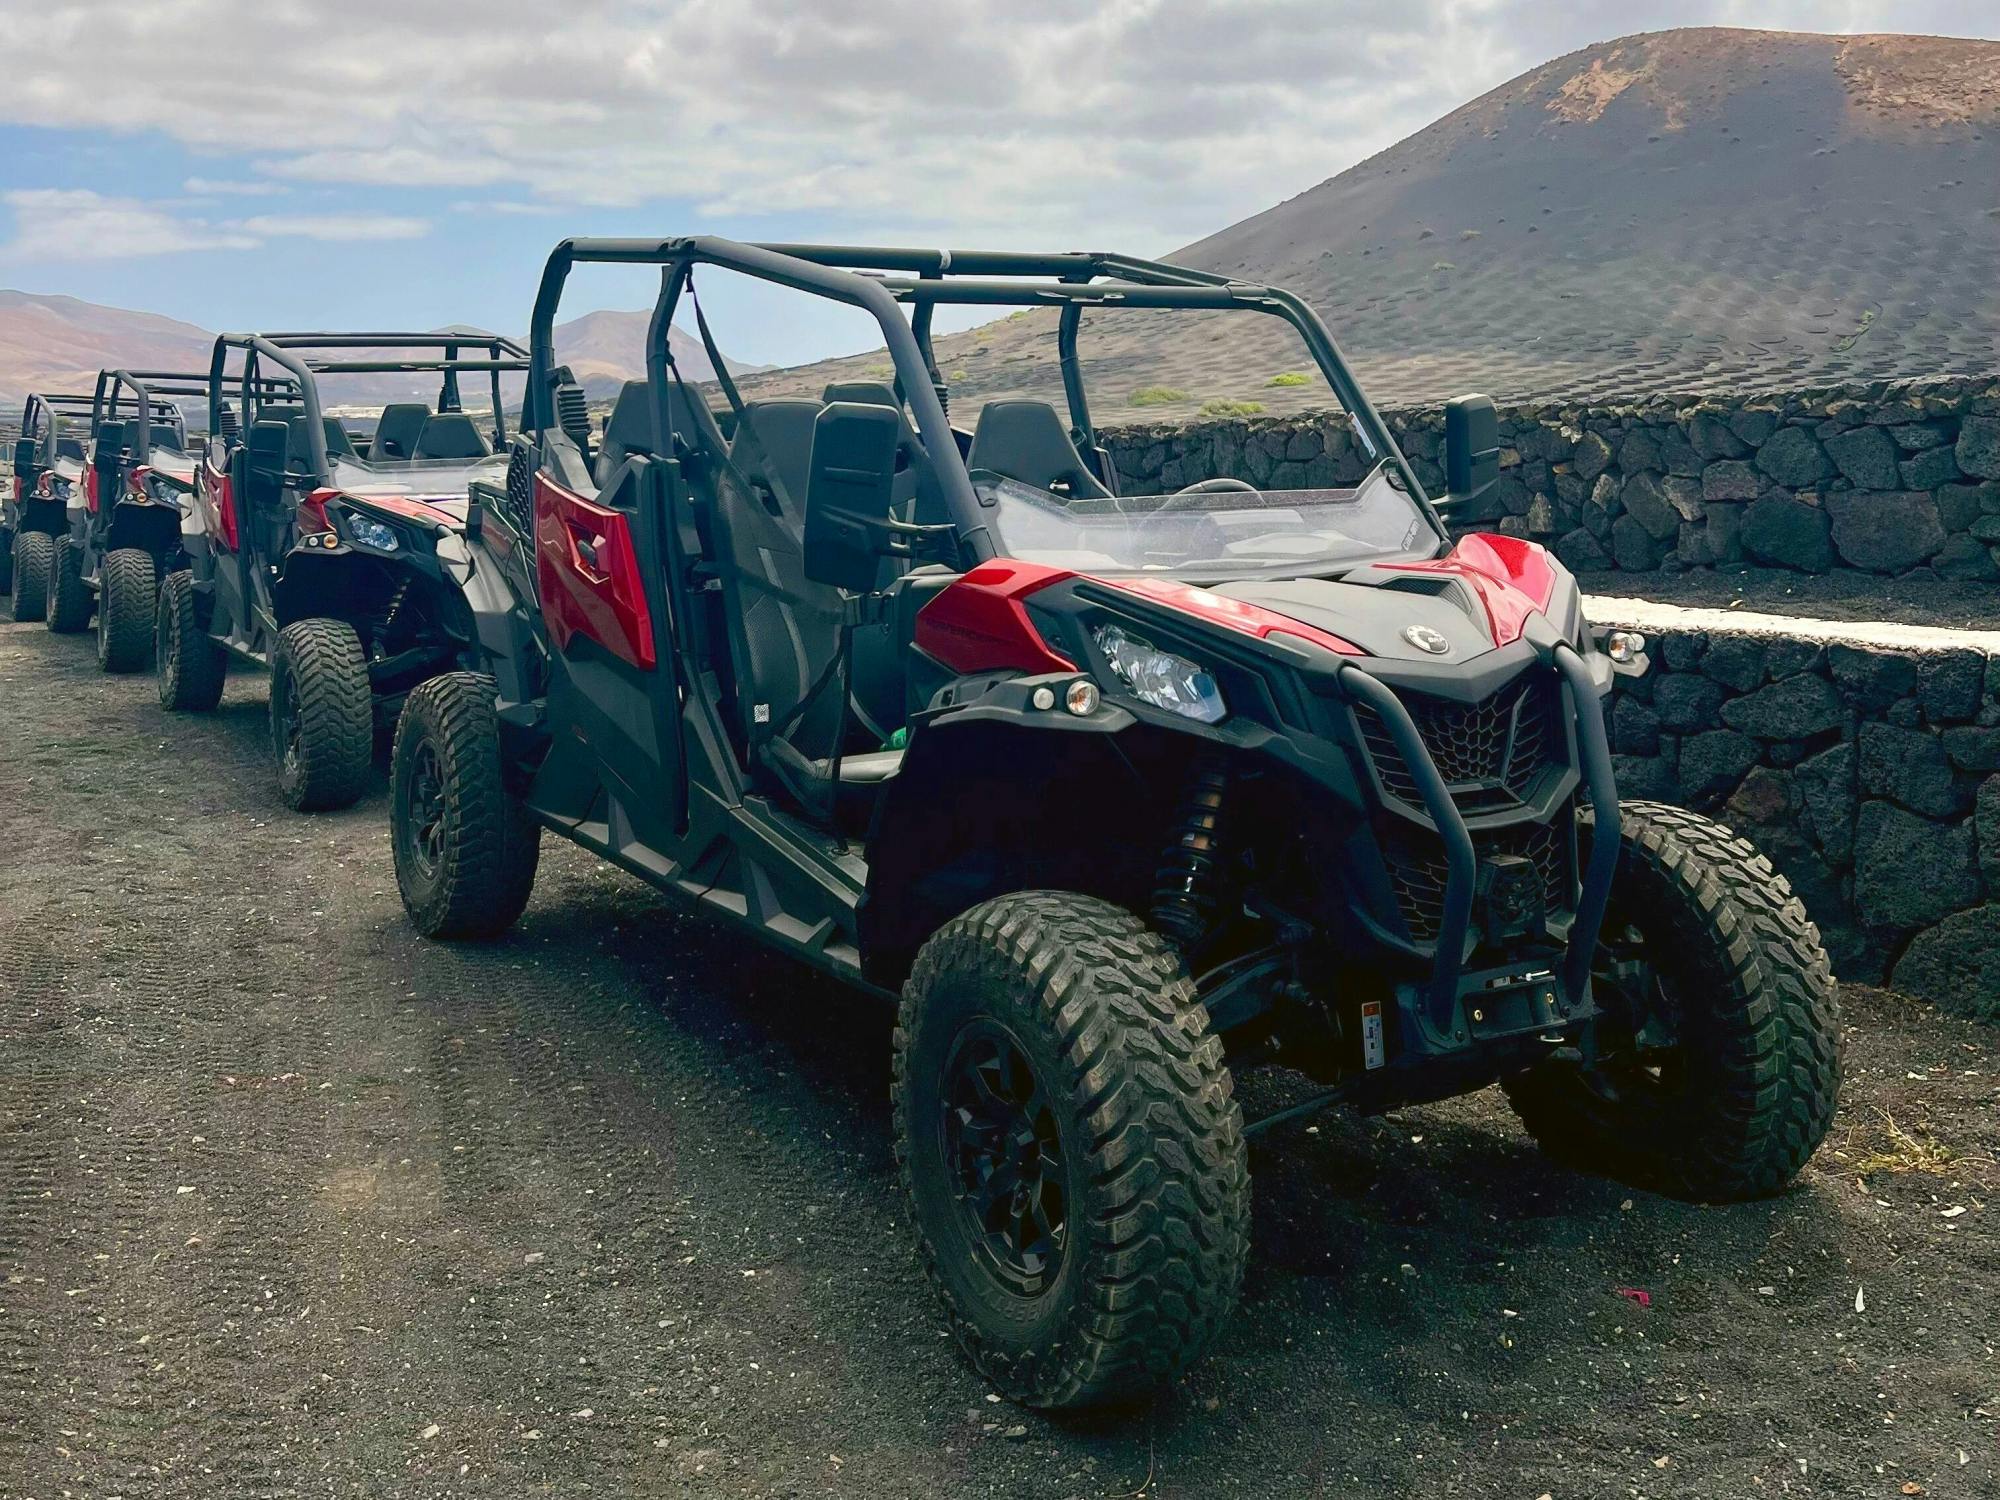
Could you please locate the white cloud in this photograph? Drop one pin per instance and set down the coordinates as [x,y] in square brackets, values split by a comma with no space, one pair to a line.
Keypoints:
[336,226]
[68,224]
[1138,122]
[214,187]
[503,206]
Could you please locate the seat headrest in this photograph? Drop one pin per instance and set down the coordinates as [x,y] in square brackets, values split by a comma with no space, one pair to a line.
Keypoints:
[1025,440]
[451,434]
[163,436]
[397,428]
[864,392]
[629,428]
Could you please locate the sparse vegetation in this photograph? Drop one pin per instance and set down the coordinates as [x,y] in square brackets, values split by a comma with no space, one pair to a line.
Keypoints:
[1290,377]
[880,372]
[1443,265]
[1223,406]
[1156,395]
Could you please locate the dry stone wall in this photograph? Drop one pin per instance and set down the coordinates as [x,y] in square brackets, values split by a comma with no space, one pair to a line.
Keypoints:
[1868,769]
[1891,479]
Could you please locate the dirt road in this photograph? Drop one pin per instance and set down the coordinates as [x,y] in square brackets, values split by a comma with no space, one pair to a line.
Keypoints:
[293,1203]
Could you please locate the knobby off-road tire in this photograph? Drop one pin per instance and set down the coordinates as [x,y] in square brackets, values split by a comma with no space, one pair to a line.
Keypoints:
[322,715]
[1153,1170]
[125,608]
[34,556]
[466,848]
[192,666]
[69,595]
[7,563]
[1747,1092]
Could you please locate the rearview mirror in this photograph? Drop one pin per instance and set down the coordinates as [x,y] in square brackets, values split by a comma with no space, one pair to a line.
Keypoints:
[24,456]
[849,490]
[1471,451]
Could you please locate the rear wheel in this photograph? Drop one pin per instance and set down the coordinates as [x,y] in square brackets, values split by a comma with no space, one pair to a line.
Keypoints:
[6,562]
[466,847]
[1071,1149]
[1719,1047]
[192,666]
[34,552]
[69,595]
[322,715]
[125,607]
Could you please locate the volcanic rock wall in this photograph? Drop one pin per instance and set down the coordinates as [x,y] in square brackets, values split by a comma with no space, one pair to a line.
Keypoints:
[1890,479]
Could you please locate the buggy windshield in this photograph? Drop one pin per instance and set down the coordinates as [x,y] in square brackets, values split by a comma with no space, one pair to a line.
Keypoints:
[1231,531]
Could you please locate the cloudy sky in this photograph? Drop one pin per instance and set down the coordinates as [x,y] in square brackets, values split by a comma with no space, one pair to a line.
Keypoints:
[263,163]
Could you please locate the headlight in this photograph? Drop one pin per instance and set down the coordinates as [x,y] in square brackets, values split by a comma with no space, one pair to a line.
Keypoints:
[59,488]
[1159,677]
[157,491]
[370,533]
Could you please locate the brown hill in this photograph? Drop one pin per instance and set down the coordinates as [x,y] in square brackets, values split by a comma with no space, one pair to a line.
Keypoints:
[1680,210]
[60,343]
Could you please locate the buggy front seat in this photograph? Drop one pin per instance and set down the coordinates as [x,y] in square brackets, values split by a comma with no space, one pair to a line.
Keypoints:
[397,429]
[451,434]
[1025,440]
[785,635]
[779,448]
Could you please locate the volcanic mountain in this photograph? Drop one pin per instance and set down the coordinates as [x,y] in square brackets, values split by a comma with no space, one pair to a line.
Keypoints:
[1675,211]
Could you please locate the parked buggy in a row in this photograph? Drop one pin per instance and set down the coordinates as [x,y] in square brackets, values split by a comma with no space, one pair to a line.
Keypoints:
[328,558]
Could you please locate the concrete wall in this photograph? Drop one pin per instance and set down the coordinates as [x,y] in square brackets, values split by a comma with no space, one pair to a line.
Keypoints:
[1864,760]
[1901,480]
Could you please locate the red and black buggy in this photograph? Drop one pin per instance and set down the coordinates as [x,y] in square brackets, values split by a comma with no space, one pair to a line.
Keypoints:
[1112,795]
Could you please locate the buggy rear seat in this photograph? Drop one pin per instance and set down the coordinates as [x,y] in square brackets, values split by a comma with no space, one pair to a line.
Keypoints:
[397,430]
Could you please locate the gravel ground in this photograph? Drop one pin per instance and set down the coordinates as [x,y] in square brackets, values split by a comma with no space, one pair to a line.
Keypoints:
[293,1203]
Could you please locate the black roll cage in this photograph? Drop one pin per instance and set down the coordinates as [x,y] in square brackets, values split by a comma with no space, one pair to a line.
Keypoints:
[880,280]
[300,381]
[149,390]
[57,404]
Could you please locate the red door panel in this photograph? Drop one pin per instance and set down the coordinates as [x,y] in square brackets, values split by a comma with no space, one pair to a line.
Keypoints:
[221,493]
[588,571]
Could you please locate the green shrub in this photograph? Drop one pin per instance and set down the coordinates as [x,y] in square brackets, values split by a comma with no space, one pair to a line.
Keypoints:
[1224,407]
[1156,395]
[1290,377]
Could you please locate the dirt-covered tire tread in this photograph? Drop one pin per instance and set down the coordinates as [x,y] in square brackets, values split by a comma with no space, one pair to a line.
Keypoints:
[493,844]
[1769,1025]
[69,596]
[1168,1186]
[336,713]
[34,556]
[191,666]
[125,606]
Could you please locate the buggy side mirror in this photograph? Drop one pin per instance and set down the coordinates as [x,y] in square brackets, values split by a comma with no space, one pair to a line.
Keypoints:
[1471,452]
[24,457]
[266,452]
[850,487]
[108,457]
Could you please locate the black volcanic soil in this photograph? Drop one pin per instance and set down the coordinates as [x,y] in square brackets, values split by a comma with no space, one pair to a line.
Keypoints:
[295,1204]
[1699,210]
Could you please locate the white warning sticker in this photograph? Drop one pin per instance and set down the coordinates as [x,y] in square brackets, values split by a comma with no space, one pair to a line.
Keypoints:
[1372,1053]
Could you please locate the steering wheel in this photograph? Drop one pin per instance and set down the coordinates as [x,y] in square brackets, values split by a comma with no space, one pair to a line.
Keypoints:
[1167,507]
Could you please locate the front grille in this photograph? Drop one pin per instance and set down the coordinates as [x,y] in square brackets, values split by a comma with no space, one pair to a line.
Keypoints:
[1417,869]
[1490,753]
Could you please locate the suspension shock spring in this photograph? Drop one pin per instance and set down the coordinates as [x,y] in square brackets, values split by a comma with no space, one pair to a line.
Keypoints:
[1184,892]
[395,605]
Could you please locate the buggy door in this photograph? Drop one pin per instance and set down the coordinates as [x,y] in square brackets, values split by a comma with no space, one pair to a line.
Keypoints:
[600,571]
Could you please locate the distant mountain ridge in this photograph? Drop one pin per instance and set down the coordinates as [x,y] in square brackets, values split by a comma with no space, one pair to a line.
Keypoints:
[53,342]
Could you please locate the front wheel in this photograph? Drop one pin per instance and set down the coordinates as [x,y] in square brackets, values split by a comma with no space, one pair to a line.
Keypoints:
[34,554]
[69,595]
[466,847]
[6,562]
[1070,1147]
[125,603]
[322,715]
[1718,1043]
[192,666]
